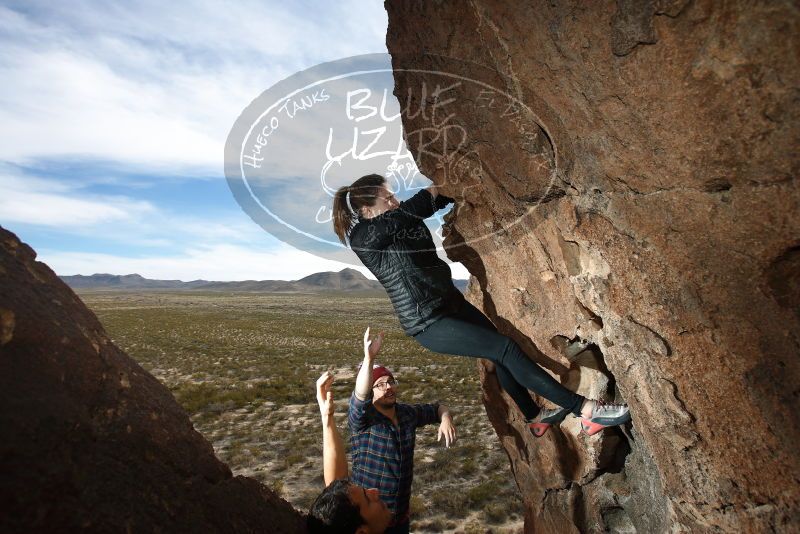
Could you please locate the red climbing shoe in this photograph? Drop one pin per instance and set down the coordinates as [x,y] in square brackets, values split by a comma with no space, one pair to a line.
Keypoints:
[542,422]
[605,415]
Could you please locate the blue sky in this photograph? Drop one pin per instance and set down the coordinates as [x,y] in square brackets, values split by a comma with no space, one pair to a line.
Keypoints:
[114,117]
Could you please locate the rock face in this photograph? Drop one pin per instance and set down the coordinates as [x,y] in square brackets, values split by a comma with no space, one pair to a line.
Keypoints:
[626,176]
[90,440]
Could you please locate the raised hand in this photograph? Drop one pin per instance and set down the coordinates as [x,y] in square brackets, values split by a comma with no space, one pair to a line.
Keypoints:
[372,346]
[325,394]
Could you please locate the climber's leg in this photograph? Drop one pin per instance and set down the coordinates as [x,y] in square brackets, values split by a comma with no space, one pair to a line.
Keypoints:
[518,393]
[470,333]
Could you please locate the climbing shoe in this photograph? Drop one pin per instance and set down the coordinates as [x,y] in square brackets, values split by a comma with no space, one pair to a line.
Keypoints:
[605,415]
[542,422]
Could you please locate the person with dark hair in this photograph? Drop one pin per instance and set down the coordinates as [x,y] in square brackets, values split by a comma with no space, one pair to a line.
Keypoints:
[343,507]
[383,434]
[391,240]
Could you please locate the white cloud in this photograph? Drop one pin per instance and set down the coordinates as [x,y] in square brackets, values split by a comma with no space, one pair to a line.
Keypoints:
[157,85]
[33,200]
[68,207]
[152,87]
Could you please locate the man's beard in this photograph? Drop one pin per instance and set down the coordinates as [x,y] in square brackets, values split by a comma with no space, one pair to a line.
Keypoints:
[383,402]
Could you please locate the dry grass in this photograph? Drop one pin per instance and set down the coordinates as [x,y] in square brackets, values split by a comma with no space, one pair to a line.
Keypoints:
[244,367]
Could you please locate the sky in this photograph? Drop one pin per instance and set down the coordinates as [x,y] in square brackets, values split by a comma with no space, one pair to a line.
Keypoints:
[114,117]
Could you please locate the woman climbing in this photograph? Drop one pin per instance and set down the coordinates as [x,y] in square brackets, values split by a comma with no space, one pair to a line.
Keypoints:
[391,240]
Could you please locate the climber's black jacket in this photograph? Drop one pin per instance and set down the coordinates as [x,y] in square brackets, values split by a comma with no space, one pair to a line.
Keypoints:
[399,250]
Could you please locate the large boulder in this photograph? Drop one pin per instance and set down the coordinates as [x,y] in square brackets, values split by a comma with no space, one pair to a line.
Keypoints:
[625,176]
[89,440]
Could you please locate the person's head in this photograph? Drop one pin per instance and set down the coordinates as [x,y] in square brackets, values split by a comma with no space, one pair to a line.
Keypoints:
[344,508]
[367,197]
[384,388]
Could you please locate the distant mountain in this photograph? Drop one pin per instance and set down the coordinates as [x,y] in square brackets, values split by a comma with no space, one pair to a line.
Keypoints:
[345,280]
[127,281]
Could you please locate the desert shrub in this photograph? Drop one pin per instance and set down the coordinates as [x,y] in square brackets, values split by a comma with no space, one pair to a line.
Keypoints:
[417,506]
[469,450]
[478,495]
[496,463]
[195,397]
[293,458]
[235,454]
[495,513]
[277,486]
[475,528]
[468,467]
[450,502]
[444,459]
[434,525]
[207,397]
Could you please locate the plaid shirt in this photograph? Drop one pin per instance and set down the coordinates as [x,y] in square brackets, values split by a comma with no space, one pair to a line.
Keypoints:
[383,455]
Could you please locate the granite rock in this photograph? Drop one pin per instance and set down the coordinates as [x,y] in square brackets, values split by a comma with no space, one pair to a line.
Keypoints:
[625,176]
[91,441]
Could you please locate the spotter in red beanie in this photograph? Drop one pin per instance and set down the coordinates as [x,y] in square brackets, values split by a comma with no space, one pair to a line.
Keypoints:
[379,371]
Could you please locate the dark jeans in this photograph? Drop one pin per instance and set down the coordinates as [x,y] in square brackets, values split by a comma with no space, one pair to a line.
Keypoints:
[470,333]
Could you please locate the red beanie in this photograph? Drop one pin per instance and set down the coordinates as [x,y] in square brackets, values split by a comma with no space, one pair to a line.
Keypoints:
[379,371]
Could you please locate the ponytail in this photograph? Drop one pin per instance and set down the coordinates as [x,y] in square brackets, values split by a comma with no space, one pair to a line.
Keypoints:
[343,215]
[348,201]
